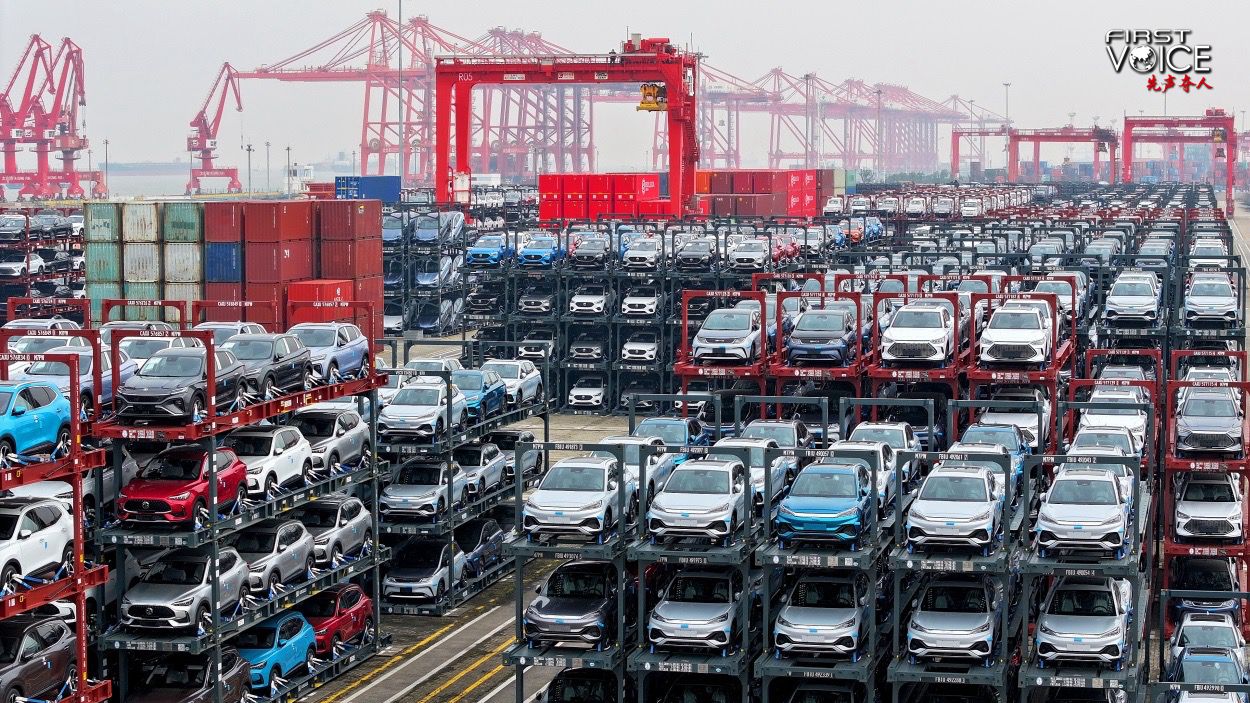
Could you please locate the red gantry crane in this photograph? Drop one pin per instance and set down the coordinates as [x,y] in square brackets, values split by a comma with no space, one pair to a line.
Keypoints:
[668,79]
[202,141]
[1103,139]
[1214,127]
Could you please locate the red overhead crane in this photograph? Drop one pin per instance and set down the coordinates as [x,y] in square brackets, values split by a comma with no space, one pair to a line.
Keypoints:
[1102,138]
[1215,127]
[958,134]
[202,142]
[669,83]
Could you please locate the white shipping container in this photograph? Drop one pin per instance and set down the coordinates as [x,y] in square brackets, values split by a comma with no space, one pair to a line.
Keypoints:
[141,222]
[141,262]
[184,263]
[189,292]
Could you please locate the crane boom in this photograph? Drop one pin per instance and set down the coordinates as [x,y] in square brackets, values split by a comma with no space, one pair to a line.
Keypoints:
[202,141]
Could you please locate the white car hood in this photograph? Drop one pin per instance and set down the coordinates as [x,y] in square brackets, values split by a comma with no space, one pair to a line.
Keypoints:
[916,334]
[991,336]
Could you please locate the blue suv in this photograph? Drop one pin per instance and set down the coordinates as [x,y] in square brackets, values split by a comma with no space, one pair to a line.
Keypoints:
[827,502]
[675,432]
[336,347]
[35,416]
[278,646]
[491,251]
[823,337]
[542,252]
[1211,666]
[484,391]
[1009,437]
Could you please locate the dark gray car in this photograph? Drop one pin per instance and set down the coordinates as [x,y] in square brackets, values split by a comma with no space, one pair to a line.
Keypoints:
[577,604]
[173,385]
[273,363]
[36,656]
[1208,423]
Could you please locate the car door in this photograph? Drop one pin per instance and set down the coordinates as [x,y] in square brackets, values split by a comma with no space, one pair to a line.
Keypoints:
[289,563]
[58,530]
[35,662]
[351,617]
[353,535]
[221,378]
[227,490]
[355,434]
[494,545]
[287,371]
[229,662]
[291,462]
[24,424]
[50,420]
[57,651]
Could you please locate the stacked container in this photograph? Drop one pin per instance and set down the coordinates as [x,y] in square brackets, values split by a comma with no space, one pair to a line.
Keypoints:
[182,224]
[349,237]
[577,196]
[103,253]
[277,251]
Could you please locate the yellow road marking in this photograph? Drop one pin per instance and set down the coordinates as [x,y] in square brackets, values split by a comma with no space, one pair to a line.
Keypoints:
[485,677]
[467,670]
[394,661]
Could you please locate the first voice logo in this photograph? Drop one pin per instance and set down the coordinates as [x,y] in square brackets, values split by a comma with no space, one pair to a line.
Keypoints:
[1168,56]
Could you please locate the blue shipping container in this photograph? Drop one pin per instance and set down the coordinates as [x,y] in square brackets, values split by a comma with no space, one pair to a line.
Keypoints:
[223,262]
[384,188]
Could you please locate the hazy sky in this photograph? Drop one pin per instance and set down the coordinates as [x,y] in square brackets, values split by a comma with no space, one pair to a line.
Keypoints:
[149,63]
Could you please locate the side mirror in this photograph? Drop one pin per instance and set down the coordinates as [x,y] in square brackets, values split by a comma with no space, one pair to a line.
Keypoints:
[281,548]
[538,588]
[278,451]
[19,410]
[277,357]
[915,603]
[612,485]
[24,534]
[340,432]
[343,522]
[282,642]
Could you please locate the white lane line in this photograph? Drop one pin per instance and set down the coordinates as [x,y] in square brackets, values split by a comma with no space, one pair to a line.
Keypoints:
[359,693]
[451,661]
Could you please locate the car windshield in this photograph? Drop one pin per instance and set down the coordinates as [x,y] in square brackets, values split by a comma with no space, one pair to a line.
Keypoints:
[1207,406]
[1012,320]
[700,246]
[425,365]
[1208,636]
[823,322]
[593,245]
[756,454]
[315,424]
[927,319]
[577,583]
[892,436]
[1132,288]
[255,541]
[631,452]
[250,444]
[142,347]
[955,598]
[257,638]
[57,368]
[1082,491]
[1208,492]
[420,475]
[315,336]
[706,481]
[992,435]
[823,594]
[644,245]
[542,243]
[250,349]
[574,478]
[391,222]
[673,433]
[173,366]
[184,572]
[417,396]
[783,435]
[1209,251]
[699,589]
[38,345]
[1083,601]
[1211,289]
[1210,670]
[1116,440]
[467,380]
[505,370]
[751,245]
[490,242]
[727,320]
[1114,411]
[429,266]
[427,223]
[322,605]
[173,467]
[314,516]
[824,484]
[1062,289]
[954,488]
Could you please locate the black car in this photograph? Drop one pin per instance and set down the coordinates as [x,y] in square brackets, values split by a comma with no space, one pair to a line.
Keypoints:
[482,343]
[187,678]
[51,224]
[482,543]
[486,300]
[506,440]
[577,604]
[172,385]
[55,259]
[36,656]
[13,228]
[639,387]
[696,256]
[591,254]
[273,363]
[582,685]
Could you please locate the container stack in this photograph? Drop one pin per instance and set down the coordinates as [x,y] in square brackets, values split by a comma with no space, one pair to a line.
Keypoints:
[767,193]
[579,196]
[349,244]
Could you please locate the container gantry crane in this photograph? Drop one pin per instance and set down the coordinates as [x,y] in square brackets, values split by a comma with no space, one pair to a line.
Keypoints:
[1214,127]
[1104,140]
[202,141]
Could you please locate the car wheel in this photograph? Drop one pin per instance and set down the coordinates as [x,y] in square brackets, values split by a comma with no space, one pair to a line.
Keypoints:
[309,655]
[13,695]
[63,438]
[366,366]
[67,558]
[7,575]
[309,565]
[271,485]
[332,460]
[197,409]
[442,507]
[335,643]
[199,512]
[71,676]
[367,634]
[6,448]
[538,394]
[204,618]
[438,429]
[87,406]
[274,673]
[267,389]
[366,452]
[368,542]
[305,472]
[333,371]
[464,420]
[481,488]
[273,582]
[336,555]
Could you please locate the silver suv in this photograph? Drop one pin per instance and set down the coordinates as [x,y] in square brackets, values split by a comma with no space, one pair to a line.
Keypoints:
[277,552]
[702,498]
[698,610]
[177,592]
[1209,505]
[1084,509]
[1210,300]
[1132,300]
[958,506]
[955,618]
[339,525]
[1086,620]
[580,496]
[822,614]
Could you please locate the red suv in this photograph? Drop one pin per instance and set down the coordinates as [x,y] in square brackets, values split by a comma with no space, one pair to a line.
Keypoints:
[338,614]
[173,487]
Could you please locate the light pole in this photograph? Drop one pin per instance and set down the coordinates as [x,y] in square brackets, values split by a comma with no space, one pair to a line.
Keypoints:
[880,138]
[268,188]
[1007,102]
[106,165]
[249,151]
[354,162]
[286,182]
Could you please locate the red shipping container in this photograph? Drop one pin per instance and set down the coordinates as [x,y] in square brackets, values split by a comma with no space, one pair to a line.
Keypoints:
[600,183]
[551,184]
[810,204]
[635,186]
[825,178]
[278,262]
[575,187]
[574,209]
[269,310]
[227,292]
[277,220]
[809,178]
[627,208]
[349,219]
[703,206]
[317,291]
[550,209]
[794,203]
[703,182]
[350,259]
[743,182]
[223,221]
[794,181]
[769,182]
[723,205]
[651,208]
[368,290]
[721,182]
[596,208]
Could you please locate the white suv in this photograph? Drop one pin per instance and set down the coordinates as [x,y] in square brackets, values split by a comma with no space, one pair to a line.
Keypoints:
[38,536]
[275,456]
[1084,509]
[958,506]
[1210,506]
[919,332]
[1016,335]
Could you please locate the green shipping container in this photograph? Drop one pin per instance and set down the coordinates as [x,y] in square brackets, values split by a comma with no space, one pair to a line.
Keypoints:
[103,262]
[143,291]
[103,222]
[183,221]
[97,292]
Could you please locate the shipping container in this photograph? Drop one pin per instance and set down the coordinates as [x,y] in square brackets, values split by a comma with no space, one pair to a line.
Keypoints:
[551,184]
[574,209]
[703,205]
[182,221]
[104,262]
[625,208]
[223,291]
[278,262]
[703,182]
[270,309]
[223,221]
[723,205]
[318,291]
[141,262]
[98,291]
[550,210]
[103,222]
[368,290]
[598,208]
[141,290]
[599,184]
[350,259]
[721,182]
[184,263]
[743,182]
[383,188]
[141,222]
[223,262]
[341,219]
[839,178]
[574,187]
[635,186]
[654,208]
[277,220]
[794,181]
[770,182]
[189,292]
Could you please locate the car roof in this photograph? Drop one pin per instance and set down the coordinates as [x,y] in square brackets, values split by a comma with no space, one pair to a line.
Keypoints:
[20,502]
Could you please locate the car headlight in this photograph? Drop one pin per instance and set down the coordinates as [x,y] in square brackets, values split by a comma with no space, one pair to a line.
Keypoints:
[1046,630]
[723,617]
[916,515]
[846,623]
[983,516]
[785,510]
[593,506]
[848,512]
[255,469]
[1113,632]
[183,602]
[918,628]
[986,627]
[656,617]
[181,496]
[1111,520]
[323,538]
[783,622]
[724,507]
[1181,515]
[256,567]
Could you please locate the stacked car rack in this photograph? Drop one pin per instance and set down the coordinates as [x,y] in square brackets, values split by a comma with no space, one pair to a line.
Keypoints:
[422,270]
[44,262]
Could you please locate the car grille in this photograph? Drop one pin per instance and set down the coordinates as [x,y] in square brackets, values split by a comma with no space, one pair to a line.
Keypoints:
[151,611]
[147,506]
[582,398]
[640,354]
[1209,440]
[1209,527]
[583,305]
[1010,351]
[639,308]
[533,258]
[912,350]
[535,306]
[749,262]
